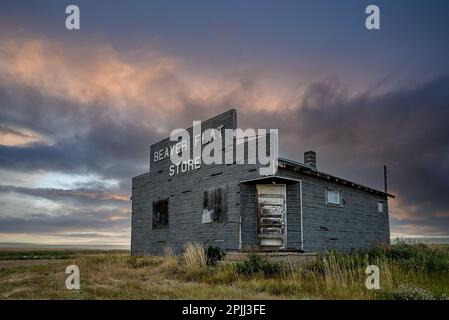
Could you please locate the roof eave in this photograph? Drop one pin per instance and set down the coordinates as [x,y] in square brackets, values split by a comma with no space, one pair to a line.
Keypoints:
[322,175]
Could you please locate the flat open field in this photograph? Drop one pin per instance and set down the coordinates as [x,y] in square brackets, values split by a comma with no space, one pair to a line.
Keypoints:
[406,272]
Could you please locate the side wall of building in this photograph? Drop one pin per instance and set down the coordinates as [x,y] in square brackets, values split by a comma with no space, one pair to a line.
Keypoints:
[356,224]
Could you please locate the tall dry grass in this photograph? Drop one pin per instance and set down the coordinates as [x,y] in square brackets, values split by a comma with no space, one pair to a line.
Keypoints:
[406,272]
[194,256]
[171,263]
[345,275]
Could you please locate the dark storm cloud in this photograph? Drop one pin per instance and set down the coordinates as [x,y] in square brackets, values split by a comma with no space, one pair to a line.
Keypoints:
[86,139]
[405,128]
[80,196]
[87,235]
[72,220]
[6,130]
[27,107]
[427,226]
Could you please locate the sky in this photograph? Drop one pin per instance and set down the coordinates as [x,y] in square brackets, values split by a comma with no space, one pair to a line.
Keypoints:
[79,109]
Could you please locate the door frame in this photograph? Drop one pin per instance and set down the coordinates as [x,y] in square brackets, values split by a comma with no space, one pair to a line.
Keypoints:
[284,185]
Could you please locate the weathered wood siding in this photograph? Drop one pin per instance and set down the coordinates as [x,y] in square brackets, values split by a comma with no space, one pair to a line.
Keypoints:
[355,225]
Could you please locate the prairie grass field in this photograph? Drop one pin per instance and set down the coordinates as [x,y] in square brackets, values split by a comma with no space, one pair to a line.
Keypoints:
[407,271]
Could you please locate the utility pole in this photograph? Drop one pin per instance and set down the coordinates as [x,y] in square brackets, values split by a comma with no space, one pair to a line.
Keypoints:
[385,178]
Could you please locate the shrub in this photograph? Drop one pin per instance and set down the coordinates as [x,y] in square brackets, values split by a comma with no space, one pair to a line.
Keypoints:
[255,263]
[213,254]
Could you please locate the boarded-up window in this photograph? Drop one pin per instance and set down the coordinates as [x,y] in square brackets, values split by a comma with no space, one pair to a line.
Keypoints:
[215,205]
[160,214]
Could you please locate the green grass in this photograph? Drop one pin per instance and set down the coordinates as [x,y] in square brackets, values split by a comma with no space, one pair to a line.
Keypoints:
[407,272]
[14,254]
[257,264]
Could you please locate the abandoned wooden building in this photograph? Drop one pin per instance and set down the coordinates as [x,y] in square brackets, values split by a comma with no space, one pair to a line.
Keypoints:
[233,206]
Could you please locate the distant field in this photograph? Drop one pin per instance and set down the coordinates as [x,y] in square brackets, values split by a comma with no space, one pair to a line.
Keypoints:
[407,272]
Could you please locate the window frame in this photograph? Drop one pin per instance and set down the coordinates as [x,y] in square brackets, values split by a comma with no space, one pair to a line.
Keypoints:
[381,203]
[340,204]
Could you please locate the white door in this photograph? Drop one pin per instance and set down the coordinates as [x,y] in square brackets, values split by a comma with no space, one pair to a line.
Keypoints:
[271,216]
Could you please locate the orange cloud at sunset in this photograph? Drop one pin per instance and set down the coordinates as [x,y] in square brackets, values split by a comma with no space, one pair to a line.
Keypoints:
[99,74]
[14,137]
